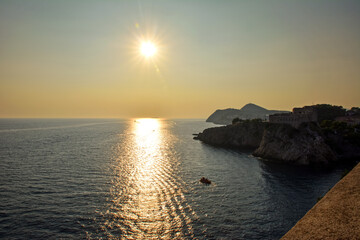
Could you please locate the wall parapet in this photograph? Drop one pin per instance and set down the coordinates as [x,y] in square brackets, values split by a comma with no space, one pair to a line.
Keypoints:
[335,216]
[296,117]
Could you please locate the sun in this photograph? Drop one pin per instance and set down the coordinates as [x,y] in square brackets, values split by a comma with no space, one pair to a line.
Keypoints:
[148,49]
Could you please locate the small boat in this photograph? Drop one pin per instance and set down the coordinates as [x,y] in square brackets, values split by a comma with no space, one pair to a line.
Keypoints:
[205,180]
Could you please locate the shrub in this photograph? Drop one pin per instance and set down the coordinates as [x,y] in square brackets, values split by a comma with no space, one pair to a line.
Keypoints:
[236,120]
[328,112]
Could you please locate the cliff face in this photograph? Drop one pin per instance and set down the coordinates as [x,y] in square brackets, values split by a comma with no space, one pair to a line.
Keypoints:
[302,146]
[281,142]
[345,147]
[242,135]
[249,111]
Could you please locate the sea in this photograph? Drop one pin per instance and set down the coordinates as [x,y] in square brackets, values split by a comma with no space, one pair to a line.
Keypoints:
[139,179]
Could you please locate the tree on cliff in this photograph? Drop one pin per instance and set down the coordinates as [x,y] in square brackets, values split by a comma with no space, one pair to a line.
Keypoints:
[355,110]
[328,112]
[236,120]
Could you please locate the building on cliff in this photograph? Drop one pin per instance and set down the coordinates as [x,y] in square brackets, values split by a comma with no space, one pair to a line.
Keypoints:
[351,120]
[296,117]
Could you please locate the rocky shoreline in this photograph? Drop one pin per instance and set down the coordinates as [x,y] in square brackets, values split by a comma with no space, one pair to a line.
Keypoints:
[306,145]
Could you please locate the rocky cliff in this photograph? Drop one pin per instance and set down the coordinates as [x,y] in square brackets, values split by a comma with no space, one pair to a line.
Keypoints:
[305,145]
[246,135]
[249,111]
[346,147]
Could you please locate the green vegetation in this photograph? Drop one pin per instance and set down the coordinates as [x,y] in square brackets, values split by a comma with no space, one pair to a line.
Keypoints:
[238,120]
[328,112]
[333,125]
[350,133]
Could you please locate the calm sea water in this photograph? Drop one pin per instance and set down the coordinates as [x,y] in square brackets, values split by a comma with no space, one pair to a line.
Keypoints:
[133,179]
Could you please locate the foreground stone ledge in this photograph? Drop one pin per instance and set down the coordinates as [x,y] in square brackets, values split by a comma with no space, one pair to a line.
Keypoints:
[336,215]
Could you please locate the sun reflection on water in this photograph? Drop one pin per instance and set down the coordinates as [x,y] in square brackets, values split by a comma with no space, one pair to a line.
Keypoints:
[147,195]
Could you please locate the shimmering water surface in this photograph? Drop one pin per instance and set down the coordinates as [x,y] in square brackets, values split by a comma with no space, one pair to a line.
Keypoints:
[139,179]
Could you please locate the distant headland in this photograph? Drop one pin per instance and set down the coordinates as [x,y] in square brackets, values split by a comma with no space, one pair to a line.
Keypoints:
[249,111]
[317,134]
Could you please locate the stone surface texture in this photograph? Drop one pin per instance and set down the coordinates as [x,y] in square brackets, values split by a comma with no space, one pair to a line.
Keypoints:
[335,216]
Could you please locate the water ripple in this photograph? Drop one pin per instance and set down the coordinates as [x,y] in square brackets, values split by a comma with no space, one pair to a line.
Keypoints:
[147,199]
[139,180]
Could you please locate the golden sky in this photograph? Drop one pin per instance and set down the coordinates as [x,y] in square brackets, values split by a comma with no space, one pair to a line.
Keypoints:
[82,58]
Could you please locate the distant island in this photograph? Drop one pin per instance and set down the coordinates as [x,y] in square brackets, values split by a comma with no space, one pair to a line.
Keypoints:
[317,134]
[249,111]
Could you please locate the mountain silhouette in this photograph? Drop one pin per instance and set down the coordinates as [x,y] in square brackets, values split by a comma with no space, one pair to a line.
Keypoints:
[249,111]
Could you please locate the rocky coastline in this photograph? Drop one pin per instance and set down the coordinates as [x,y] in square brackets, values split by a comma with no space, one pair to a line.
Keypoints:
[306,145]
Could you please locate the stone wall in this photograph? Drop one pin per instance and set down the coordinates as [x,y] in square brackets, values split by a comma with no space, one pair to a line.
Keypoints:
[298,116]
[335,216]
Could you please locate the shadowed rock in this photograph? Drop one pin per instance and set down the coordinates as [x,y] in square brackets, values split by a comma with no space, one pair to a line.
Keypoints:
[246,135]
[305,145]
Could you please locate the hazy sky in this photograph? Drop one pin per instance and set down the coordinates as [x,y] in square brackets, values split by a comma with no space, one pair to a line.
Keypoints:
[81,58]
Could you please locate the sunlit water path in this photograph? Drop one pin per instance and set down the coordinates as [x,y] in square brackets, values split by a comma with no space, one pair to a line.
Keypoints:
[147,192]
[138,179]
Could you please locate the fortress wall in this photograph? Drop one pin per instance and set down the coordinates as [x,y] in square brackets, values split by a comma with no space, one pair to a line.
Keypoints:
[335,216]
[298,116]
